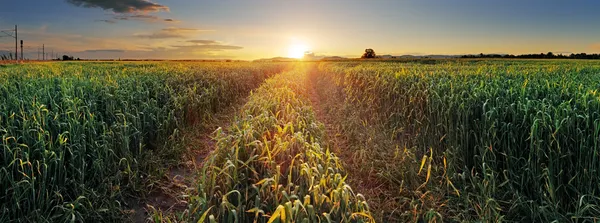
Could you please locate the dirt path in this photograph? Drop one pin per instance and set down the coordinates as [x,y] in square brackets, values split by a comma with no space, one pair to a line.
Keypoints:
[363,179]
[198,143]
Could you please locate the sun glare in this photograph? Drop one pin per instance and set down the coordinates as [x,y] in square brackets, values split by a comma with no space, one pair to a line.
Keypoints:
[297,51]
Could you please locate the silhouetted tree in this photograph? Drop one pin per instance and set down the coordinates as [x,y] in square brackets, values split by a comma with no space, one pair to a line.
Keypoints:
[549,55]
[369,53]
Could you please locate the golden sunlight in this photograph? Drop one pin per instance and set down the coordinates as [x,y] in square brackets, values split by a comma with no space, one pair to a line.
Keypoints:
[297,51]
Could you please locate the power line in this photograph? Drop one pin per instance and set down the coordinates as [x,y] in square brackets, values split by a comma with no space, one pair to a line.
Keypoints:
[9,33]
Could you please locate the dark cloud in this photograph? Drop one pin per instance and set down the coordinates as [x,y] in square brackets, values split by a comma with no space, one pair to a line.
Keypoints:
[109,21]
[169,33]
[136,17]
[202,41]
[121,6]
[104,51]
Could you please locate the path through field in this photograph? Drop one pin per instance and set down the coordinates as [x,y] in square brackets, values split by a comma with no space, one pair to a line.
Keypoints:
[170,197]
[363,179]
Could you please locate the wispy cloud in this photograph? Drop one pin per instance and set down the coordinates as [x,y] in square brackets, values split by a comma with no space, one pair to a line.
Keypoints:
[73,42]
[177,29]
[206,45]
[209,47]
[109,21]
[104,51]
[160,35]
[136,17]
[121,6]
[202,41]
[170,33]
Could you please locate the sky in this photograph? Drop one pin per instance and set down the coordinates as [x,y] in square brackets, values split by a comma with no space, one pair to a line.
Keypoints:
[253,29]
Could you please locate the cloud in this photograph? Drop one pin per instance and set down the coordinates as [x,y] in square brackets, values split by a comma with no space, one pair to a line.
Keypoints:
[203,41]
[160,35]
[67,43]
[170,33]
[176,29]
[213,47]
[104,51]
[121,6]
[109,21]
[92,47]
[205,45]
[137,17]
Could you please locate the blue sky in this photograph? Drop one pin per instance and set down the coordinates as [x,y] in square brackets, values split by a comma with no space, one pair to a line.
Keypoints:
[198,29]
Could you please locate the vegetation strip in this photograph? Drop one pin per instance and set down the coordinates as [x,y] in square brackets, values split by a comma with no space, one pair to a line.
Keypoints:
[78,139]
[500,141]
[370,154]
[271,166]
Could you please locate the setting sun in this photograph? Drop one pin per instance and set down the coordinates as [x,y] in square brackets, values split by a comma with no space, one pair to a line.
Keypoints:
[297,51]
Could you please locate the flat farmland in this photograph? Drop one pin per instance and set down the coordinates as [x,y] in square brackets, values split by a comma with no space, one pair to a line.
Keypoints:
[424,140]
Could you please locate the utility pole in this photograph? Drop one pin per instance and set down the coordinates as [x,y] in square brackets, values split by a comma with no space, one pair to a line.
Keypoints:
[21,49]
[43,53]
[16,44]
[38,48]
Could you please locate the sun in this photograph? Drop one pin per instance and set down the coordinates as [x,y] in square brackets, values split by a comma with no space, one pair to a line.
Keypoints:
[297,51]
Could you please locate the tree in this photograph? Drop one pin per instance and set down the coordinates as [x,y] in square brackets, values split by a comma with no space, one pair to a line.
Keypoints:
[369,53]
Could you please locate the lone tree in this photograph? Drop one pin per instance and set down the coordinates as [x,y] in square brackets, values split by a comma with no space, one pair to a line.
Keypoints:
[369,53]
[66,57]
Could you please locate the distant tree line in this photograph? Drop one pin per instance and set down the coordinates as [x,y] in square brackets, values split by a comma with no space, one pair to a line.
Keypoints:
[548,55]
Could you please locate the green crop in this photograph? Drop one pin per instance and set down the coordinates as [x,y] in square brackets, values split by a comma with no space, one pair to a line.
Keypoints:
[504,140]
[271,166]
[79,139]
[435,140]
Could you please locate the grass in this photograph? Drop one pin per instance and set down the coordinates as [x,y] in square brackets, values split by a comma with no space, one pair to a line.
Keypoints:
[505,140]
[423,141]
[80,139]
[270,165]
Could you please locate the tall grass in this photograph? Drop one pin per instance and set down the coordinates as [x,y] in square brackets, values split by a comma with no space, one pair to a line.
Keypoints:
[79,138]
[519,138]
[271,165]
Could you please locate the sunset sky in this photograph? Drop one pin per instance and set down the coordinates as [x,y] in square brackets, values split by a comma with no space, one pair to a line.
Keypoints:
[253,29]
